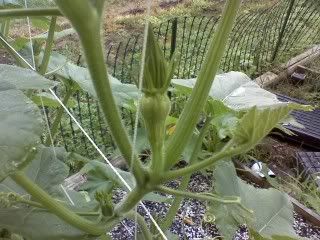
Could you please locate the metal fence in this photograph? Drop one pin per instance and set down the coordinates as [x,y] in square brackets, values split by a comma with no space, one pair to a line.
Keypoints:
[260,38]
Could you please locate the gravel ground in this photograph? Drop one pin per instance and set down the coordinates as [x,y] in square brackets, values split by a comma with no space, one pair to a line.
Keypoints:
[189,223]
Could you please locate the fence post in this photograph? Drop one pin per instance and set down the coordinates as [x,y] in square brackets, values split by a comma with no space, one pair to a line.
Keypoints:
[173,36]
[282,31]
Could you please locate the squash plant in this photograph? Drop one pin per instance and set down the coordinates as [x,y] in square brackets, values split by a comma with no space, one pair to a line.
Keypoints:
[33,201]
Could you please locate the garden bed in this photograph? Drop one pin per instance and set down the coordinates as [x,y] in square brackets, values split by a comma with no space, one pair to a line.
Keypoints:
[190,222]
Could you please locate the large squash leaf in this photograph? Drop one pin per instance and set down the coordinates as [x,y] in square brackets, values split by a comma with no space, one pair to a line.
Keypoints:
[67,70]
[48,100]
[235,89]
[49,172]
[23,79]
[37,224]
[254,235]
[273,211]
[20,127]
[48,169]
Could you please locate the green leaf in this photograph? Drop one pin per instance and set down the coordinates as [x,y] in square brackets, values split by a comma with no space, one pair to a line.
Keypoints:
[23,79]
[235,89]
[49,101]
[80,75]
[48,171]
[37,225]
[258,123]
[224,119]
[254,235]
[272,209]
[215,108]
[188,150]
[100,177]
[20,126]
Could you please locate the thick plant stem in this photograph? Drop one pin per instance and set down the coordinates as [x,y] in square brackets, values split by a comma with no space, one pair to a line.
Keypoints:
[226,152]
[204,197]
[185,180]
[30,12]
[55,207]
[175,205]
[49,43]
[57,119]
[191,112]
[86,20]
[143,226]
[131,200]
[38,205]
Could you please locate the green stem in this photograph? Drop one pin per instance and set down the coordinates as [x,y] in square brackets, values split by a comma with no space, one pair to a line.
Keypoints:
[57,119]
[31,12]
[55,207]
[185,180]
[88,214]
[131,200]
[38,205]
[142,223]
[226,152]
[31,203]
[49,43]
[157,158]
[86,21]
[3,25]
[167,221]
[105,237]
[191,112]
[204,197]
[7,28]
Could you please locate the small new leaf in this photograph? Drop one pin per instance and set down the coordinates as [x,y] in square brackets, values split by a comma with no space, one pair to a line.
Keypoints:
[105,201]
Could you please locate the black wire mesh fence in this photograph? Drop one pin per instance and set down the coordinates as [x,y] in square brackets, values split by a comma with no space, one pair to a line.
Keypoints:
[260,38]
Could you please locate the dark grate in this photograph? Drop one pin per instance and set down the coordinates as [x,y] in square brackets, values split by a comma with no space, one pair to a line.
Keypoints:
[310,135]
[310,162]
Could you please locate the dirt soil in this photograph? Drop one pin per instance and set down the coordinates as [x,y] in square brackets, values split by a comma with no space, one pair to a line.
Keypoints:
[5,58]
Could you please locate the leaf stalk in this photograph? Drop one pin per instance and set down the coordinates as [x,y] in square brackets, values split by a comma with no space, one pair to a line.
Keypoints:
[191,112]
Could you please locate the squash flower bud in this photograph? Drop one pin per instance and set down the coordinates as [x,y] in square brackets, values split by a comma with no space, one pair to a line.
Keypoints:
[157,71]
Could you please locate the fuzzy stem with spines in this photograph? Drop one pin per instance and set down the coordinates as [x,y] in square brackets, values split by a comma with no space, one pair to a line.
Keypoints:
[87,20]
[49,44]
[185,180]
